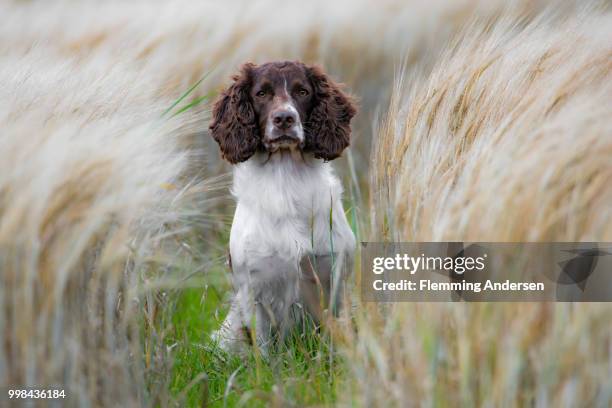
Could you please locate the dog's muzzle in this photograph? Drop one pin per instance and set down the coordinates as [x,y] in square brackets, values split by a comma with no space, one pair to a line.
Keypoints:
[284,129]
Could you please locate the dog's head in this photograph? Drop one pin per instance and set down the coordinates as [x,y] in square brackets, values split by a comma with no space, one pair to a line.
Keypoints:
[282,105]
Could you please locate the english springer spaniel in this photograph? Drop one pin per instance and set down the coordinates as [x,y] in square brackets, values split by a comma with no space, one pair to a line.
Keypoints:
[291,246]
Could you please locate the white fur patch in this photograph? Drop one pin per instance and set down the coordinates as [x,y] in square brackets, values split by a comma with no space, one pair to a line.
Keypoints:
[282,214]
[288,106]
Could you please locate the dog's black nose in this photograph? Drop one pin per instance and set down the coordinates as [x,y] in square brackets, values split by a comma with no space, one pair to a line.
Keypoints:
[284,119]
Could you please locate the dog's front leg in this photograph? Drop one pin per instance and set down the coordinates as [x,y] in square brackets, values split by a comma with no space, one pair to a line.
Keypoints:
[257,317]
[233,335]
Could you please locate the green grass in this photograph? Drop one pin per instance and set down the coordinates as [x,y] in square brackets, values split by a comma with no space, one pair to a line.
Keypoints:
[301,371]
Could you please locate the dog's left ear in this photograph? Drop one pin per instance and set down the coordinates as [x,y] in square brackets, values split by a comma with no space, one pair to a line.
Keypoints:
[328,127]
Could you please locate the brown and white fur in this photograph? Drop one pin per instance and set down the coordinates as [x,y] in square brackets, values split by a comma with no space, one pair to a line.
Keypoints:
[291,247]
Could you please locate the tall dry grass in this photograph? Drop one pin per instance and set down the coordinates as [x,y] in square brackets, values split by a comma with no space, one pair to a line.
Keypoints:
[179,41]
[86,192]
[509,138]
[485,354]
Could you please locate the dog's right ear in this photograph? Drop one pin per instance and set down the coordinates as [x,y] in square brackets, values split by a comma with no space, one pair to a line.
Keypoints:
[234,125]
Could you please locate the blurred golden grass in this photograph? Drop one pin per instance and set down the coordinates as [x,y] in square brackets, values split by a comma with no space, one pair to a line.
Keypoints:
[508,139]
[85,157]
[485,354]
[92,181]
[176,42]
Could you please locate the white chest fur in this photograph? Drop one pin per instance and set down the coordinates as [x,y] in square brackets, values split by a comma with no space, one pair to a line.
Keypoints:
[286,208]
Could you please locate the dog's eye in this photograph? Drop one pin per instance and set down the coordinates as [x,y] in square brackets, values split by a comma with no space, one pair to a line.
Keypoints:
[261,94]
[302,92]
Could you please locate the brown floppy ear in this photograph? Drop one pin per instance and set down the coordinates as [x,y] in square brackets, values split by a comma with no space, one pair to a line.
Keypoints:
[328,128]
[234,125]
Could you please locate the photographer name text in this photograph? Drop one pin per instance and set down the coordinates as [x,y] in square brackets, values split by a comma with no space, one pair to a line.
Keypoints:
[458,266]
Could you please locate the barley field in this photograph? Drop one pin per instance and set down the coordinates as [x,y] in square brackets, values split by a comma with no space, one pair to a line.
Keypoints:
[479,121]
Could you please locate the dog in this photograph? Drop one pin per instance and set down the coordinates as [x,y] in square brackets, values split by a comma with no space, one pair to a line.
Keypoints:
[291,247]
